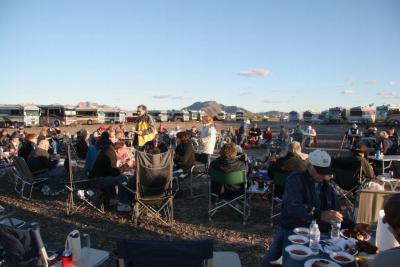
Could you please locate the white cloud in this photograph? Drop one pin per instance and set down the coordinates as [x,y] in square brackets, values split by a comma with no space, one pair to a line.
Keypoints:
[261,72]
[268,101]
[181,97]
[161,96]
[392,83]
[389,95]
[348,92]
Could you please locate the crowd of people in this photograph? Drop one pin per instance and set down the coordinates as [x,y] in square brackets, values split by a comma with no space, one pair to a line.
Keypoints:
[307,195]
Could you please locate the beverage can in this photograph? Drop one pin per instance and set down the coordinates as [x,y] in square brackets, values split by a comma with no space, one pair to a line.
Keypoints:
[66,260]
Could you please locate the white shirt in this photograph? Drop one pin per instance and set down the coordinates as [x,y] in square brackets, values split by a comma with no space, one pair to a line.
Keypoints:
[208,138]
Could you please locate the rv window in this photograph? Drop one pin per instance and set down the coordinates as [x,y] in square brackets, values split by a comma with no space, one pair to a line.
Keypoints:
[15,112]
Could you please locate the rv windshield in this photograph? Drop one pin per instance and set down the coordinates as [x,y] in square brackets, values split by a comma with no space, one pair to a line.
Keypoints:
[70,112]
[32,112]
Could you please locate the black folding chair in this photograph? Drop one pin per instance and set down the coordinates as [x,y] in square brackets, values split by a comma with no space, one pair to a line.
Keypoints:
[24,246]
[154,193]
[156,253]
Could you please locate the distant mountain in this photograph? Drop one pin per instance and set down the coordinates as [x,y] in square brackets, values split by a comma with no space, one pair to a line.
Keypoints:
[91,105]
[212,108]
[272,113]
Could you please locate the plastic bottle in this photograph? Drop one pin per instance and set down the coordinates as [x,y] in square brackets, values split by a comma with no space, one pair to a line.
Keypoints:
[314,237]
[378,154]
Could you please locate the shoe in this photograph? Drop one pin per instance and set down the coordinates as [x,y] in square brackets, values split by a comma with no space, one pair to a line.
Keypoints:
[123,207]
[46,190]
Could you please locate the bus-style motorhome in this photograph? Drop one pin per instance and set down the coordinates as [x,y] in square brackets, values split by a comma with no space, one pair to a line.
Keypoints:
[19,115]
[364,114]
[89,115]
[159,115]
[239,115]
[113,115]
[57,115]
[294,116]
[393,116]
[337,115]
[383,111]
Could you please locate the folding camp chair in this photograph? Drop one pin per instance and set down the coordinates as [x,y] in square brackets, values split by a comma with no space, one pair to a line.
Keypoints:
[278,179]
[368,205]
[24,178]
[155,253]
[79,195]
[154,186]
[7,219]
[237,203]
[24,247]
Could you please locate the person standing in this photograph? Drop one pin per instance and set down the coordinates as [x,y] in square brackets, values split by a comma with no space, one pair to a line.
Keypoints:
[208,139]
[145,129]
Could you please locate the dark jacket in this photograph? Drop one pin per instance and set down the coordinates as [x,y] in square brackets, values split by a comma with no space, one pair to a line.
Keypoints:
[227,165]
[354,161]
[26,149]
[255,132]
[81,148]
[106,164]
[288,164]
[300,204]
[39,161]
[185,156]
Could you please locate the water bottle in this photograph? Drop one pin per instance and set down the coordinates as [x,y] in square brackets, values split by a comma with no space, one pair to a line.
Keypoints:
[314,237]
[335,229]
[378,154]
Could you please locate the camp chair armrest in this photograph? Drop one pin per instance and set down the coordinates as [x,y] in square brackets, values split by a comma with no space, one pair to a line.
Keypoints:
[39,171]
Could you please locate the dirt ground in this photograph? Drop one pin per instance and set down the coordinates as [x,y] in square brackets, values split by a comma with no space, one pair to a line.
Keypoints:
[250,241]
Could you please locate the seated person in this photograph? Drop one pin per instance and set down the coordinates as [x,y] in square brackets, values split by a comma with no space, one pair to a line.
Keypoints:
[226,163]
[27,146]
[13,144]
[288,162]
[390,257]
[308,196]
[353,136]
[82,144]
[357,159]
[41,165]
[255,132]
[184,157]
[384,144]
[110,168]
[267,134]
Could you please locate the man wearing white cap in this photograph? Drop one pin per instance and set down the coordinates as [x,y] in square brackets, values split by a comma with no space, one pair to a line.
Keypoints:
[308,196]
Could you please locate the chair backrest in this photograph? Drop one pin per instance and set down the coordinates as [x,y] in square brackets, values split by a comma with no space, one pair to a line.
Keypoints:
[155,253]
[21,246]
[347,178]
[370,202]
[154,174]
[22,167]
[236,177]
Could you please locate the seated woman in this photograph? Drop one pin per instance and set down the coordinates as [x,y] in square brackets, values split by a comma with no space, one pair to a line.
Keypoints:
[226,163]
[184,153]
[82,144]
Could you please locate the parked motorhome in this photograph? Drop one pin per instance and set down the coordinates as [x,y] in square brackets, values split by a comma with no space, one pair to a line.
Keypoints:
[19,115]
[307,116]
[90,115]
[57,115]
[113,115]
[362,114]
[393,116]
[294,116]
[382,112]
[179,115]
[194,115]
[239,116]
[337,115]
[159,115]
[221,116]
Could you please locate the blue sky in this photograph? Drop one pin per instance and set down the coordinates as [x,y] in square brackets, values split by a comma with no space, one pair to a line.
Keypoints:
[261,55]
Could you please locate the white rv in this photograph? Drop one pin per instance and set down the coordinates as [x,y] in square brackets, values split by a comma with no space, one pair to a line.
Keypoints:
[362,114]
[221,116]
[19,115]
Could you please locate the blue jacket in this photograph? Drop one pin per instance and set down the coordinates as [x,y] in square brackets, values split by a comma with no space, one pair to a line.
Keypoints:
[300,204]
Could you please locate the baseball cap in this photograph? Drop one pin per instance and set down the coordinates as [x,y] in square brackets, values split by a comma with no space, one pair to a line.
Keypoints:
[321,161]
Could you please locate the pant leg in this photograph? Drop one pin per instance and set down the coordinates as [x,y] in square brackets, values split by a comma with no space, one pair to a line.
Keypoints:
[275,251]
[55,177]
[108,185]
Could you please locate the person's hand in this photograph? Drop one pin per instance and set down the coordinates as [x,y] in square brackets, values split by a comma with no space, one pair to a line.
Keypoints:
[130,163]
[331,215]
[140,133]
